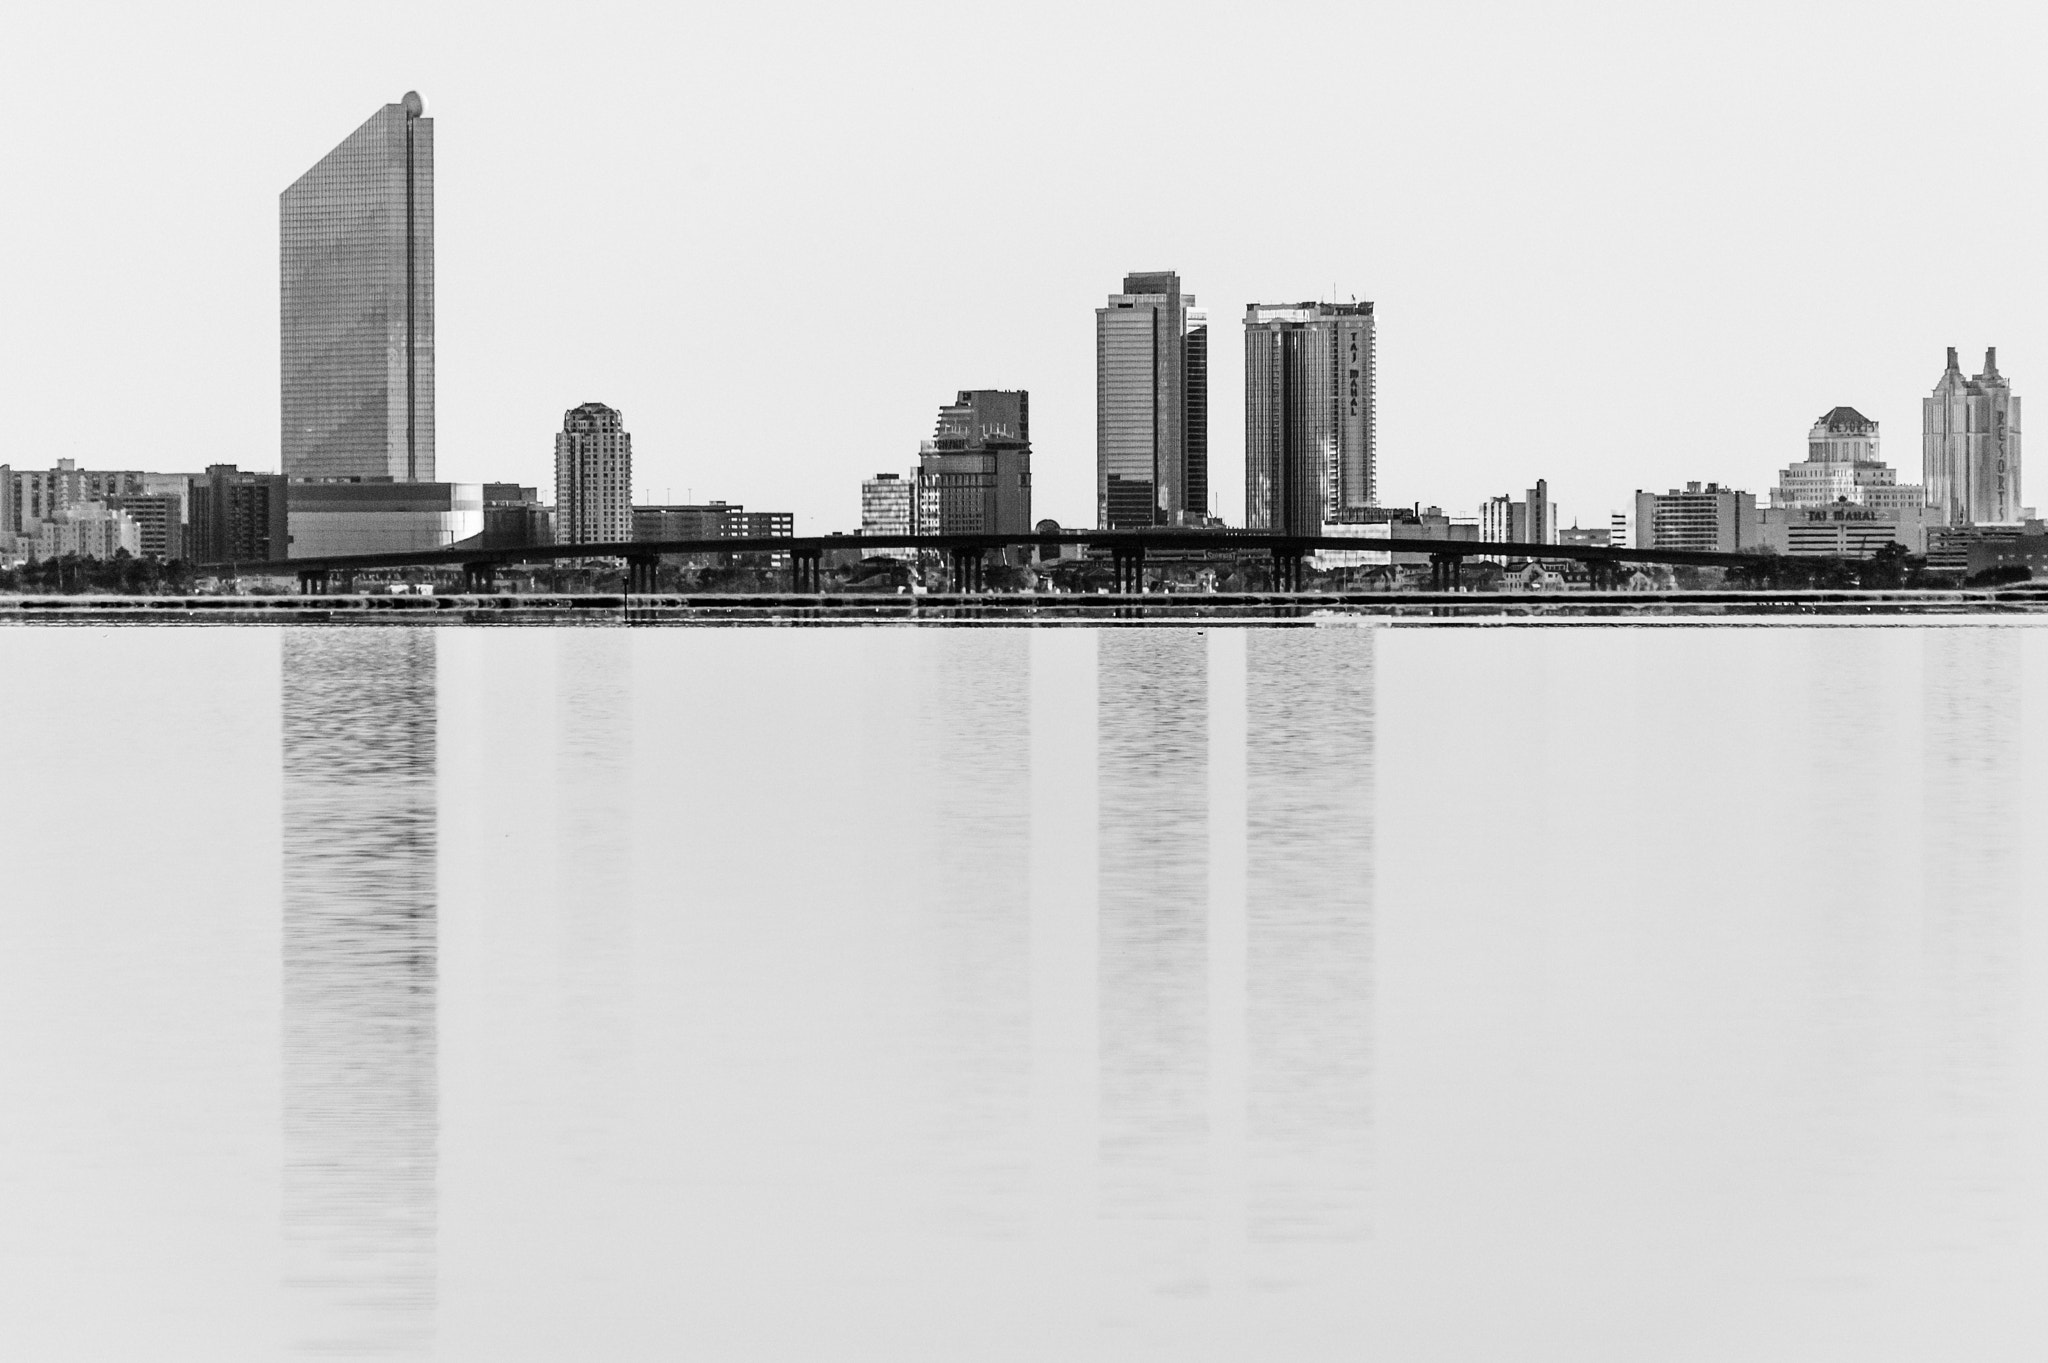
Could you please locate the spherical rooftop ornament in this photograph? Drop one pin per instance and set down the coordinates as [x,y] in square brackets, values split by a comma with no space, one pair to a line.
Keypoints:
[415,107]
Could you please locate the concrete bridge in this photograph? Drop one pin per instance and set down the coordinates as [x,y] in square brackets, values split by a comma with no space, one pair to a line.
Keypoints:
[967,555]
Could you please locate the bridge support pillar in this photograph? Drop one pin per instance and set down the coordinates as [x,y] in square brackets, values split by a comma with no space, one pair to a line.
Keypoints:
[1287,570]
[806,571]
[970,570]
[312,582]
[1129,561]
[642,575]
[479,579]
[1446,572]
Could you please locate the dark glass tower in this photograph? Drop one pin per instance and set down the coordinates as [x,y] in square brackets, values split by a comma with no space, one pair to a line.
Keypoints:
[356,284]
[1151,405]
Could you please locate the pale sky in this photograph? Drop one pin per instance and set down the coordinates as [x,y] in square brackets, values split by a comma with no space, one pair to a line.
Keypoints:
[1612,245]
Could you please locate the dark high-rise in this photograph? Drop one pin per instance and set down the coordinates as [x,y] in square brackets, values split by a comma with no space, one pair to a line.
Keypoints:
[237,517]
[1151,405]
[974,474]
[1309,456]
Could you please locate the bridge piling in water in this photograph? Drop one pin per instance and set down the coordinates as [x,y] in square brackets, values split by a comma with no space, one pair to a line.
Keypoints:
[806,571]
[643,575]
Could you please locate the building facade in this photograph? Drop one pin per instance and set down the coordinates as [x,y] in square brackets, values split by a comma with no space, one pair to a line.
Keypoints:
[382,518]
[1843,530]
[87,529]
[1710,519]
[1970,446]
[159,523]
[1842,465]
[356,281]
[888,506]
[515,517]
[1151,406]
[28,496]
[1310,456]
[593,477]
[974,474]
[237,517]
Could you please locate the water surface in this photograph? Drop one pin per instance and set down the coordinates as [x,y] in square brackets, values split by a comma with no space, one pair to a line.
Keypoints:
[1321,992]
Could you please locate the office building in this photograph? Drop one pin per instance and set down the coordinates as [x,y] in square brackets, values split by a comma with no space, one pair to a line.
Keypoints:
[515,518]
[87,529]
[888,506]
[356,279]
[1842,466]
[1529,519]
[2019,546]
[1970,446]
[1709,519]
[1151,406]
[382,518]
[1310,458]
[237,517]
[593,477]
[710,521]
[974,474]
[159,523]
[1504,520]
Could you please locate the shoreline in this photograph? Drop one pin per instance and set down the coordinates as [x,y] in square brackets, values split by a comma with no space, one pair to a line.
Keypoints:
[702,609]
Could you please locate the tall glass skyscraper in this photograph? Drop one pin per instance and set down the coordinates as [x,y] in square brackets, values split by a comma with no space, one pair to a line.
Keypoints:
[356,267]
[1309,455]
[1151,406]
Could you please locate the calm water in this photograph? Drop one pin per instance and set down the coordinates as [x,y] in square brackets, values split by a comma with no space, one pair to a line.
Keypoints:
[1069,994]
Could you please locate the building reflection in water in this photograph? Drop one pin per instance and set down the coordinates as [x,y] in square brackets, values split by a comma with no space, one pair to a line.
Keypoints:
[1972,896]
[1236,855]
[360,1084]
[1152,794]
[1309,931]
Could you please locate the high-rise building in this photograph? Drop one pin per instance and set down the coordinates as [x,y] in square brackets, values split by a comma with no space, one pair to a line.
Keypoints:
[356,281]
[1309,453]
[1842,465]
[976,469]
[237,517]
[1970,447]
[1151,406]
[1541,513]
[593,477]
[1710,519]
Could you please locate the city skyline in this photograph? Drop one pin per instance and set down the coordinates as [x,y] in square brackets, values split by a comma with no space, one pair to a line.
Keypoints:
[1693,281]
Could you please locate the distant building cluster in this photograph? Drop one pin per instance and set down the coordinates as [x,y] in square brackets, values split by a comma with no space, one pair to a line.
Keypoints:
[358,469]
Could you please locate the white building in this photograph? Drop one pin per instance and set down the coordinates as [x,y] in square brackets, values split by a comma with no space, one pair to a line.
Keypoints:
[1842,465]
[87,529]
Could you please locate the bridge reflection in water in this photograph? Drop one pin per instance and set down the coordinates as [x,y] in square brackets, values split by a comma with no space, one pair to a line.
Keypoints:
[361,1107]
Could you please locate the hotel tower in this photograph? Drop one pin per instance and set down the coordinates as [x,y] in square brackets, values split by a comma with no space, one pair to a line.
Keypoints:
[356,282]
